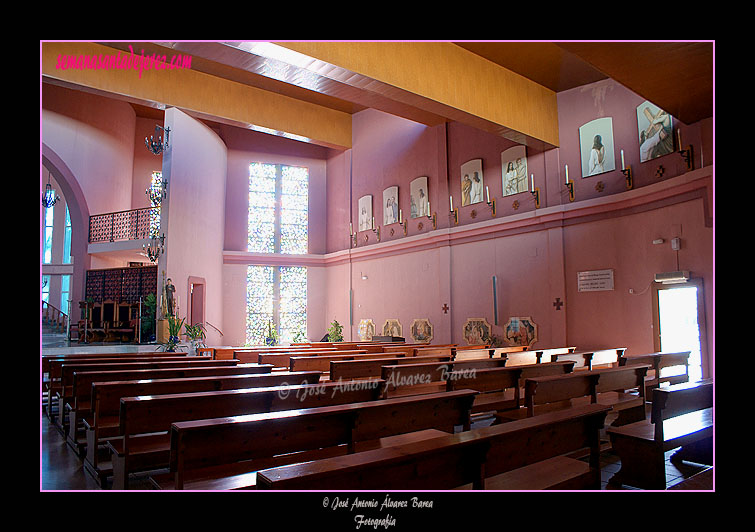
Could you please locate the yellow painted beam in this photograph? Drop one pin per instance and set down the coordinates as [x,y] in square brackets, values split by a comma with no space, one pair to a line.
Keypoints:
[446,73]
[196,91]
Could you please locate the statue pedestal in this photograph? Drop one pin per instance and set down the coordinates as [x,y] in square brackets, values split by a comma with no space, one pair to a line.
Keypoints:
[162,332]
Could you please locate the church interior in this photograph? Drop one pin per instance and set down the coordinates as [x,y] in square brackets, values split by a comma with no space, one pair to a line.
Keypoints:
[301,207]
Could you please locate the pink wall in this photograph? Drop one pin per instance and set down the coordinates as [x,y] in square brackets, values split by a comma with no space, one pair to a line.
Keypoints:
[192,216]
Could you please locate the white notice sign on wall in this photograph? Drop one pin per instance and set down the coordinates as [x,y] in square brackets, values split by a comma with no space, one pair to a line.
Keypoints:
[595,281]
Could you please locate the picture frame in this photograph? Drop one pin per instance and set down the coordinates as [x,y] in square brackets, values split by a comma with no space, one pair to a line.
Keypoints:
[366,329]
[419,198]
[477,331]
[422,331]
[597,147]
[365,213]
[520,331]
[514,170]
[390,206]
[655,128]
[392,327]
[472,183]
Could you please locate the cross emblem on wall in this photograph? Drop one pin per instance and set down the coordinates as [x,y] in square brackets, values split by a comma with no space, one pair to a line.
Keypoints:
[445,308]
[558,303]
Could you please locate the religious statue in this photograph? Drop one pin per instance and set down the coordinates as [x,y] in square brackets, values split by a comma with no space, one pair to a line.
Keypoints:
[170,290]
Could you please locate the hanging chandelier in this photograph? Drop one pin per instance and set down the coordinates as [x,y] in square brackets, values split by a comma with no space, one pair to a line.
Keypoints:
[49,198]
[155,247]
[156,146]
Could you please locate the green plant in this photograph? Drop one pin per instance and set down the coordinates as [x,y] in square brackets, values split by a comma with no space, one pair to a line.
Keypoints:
[300,337]
[174,329]
[271,338]
[194,332]
[148,316]
[335,332]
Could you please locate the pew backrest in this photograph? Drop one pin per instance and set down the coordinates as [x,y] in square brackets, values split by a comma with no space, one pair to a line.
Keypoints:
[677,400]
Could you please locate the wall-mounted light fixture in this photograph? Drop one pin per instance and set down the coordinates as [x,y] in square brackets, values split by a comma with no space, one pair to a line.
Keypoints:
[491,204]
[535,191]
[627,171]
[569,184]
[686,153]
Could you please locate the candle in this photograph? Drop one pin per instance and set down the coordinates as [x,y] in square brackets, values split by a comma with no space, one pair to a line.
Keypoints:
[532,181]
[400,216]
[487,193]
[351,228]
[373,222]
[451,199]
[428,208]
[679,137]
[566,166]
[622,160]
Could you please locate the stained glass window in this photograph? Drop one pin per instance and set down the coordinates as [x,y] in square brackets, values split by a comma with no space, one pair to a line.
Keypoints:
[49,217]
[278,223]
[156,187]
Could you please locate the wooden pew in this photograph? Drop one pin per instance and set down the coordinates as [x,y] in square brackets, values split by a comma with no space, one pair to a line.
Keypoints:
[252,355]
[322,362]
[522,455]
[103,423]
[51,367]
[79,407]
[226,453]
[372,367]
[282,359]
[64,393]
[428,377]
[658,362]
[681,416]
[603,386]
[535,356]
[144,421]
[501,388]
[589,360]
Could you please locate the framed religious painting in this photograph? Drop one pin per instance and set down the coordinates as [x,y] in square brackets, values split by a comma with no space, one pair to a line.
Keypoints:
[366,329]
[472,188]
[390,206]
[655,128]
[477,331]
[392,327]
[596,147]
[422,331]
[520,331]
[418,198]
[514,170]
[365,213]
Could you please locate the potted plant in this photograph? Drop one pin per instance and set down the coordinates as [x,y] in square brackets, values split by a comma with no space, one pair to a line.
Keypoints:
[335,332]
[174,329]
[271,338]
[148,317]
[196,335]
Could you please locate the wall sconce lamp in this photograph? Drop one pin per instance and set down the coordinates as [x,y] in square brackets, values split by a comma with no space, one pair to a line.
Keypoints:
[686,153]
[569,184]
[491,204]
[535,191]
[156,146]
[454,212]
[352,236]
[401,221]
[376,230]
[627,171]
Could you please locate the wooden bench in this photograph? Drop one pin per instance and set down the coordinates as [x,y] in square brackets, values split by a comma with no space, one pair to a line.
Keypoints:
[606,386]
[103,422]
[428,377]
[681,416]
[226,453]
[144,422]
[63,393]
[79,404]
[535,356]
[658,362]
[361,368]
[501,387]
[51,365]
[522,455]
[282,359]
[322,362]
[589,360]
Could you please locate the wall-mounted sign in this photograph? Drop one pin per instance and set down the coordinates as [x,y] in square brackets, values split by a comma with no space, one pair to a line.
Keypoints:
[595,281]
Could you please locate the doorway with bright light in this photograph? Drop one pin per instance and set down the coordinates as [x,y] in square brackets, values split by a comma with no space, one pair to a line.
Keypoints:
[680,324]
